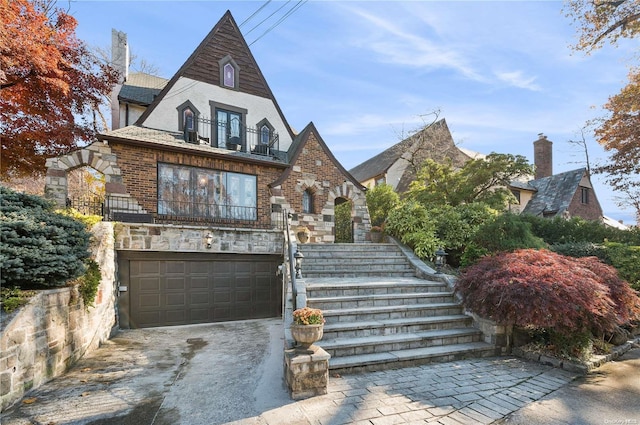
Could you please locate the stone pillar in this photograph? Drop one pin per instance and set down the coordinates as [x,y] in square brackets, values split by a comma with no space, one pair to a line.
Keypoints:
[307,375]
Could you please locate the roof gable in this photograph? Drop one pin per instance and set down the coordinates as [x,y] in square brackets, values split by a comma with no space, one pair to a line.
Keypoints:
[296,149]
[433,141]
[554,193]
[224,40]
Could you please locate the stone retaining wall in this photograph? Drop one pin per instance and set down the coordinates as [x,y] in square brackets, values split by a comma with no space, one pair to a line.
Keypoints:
[54,330]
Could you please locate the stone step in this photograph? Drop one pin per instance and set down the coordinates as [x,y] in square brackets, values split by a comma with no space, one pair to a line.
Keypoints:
[357,273]
[391,312]
[380,300]
[338,247]
[334,287]
[394,326]
[319,268]
[342,347]
[412,357]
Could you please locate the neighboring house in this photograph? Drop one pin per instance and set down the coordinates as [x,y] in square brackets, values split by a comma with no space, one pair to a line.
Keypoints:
[567,194]
[397,166]
[201,184]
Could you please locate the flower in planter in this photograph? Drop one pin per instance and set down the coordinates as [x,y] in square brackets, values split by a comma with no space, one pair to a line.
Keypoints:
[376,229]
[308,316]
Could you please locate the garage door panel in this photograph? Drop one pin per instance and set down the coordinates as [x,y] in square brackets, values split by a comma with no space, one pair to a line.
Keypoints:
[175,283]
[202,288]
[149,283]
[175,267]
[176,300]
[199,282]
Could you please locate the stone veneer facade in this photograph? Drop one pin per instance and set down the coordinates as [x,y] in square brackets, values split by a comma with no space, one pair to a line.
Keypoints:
[55,329]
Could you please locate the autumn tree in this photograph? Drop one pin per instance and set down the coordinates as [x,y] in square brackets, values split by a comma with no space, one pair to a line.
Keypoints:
[600,21]
[50,86]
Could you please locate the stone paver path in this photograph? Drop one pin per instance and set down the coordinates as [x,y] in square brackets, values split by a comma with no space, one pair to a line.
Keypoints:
[464,392]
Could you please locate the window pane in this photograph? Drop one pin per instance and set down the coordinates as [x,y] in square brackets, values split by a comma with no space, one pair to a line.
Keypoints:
[264,135]
[198,192]
[229,76]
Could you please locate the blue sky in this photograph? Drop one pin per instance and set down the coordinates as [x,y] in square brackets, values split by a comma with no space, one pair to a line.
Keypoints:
[367,72]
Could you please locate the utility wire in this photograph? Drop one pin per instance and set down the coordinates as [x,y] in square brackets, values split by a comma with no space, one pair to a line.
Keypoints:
[262,22]
[255,13]
[285,16]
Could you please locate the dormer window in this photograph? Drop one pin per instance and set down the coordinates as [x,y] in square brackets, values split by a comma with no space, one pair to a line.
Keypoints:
[229,72]
[187,117]
[229,79]
[265,132]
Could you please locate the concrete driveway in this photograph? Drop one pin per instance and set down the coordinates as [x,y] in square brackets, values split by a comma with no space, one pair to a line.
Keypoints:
[171,375]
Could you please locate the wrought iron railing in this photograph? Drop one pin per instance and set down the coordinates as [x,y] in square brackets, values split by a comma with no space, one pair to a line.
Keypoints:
[127,209]
[236,136]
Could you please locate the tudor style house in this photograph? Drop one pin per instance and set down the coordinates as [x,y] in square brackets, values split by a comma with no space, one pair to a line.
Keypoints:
[567,194]
[398,165]
[200,173]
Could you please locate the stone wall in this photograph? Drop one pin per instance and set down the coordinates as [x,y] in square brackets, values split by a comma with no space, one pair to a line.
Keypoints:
[55,329]
[182,238]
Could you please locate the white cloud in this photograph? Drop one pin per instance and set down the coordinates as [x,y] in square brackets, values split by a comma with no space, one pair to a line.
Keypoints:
[518,79]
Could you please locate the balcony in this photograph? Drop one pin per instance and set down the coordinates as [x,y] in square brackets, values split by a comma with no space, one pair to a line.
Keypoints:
[235,136]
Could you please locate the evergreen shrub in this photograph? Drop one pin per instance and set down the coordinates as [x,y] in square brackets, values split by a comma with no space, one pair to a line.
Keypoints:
[39,247]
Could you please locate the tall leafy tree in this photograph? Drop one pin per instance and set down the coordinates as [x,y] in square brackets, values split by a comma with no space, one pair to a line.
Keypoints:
[479,180]
[50,86]
[598,22]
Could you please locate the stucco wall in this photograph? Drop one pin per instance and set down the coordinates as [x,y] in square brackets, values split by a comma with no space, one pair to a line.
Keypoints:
[45,337]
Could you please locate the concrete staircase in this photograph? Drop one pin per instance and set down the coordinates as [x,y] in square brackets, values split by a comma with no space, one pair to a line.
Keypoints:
[378,315]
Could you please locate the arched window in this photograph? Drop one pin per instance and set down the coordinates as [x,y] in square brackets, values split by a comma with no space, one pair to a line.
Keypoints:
[229,73]
[307,201]
[265,134]
[187,119]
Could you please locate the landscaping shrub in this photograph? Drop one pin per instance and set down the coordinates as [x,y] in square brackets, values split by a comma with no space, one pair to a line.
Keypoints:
[506,232]
[582,249]
[89,282]
[626,259]
[559,231]
[381,200]
[38,247]
[540,289]
[412,224]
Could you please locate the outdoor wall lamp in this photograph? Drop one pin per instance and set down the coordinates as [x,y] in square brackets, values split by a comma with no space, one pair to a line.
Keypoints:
[298,257]
[441,259]
[209,239]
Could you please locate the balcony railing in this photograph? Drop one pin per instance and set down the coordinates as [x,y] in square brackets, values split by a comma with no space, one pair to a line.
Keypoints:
[128,210]
[234,136]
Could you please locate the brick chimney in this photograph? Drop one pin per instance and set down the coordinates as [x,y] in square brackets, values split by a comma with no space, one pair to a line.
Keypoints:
[543,156]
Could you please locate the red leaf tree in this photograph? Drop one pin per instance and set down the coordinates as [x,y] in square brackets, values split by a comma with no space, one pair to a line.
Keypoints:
[541,289]
[49,84]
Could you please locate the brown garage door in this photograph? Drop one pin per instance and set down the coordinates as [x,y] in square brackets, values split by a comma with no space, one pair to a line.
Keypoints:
[180,289]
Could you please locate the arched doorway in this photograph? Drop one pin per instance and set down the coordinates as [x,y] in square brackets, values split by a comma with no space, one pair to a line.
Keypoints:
[343,210]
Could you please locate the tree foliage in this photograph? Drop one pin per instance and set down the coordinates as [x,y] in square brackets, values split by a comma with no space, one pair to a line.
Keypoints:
[38,247]
[598,21]
[49,84]
[479,180]
[381,200]
[541,289]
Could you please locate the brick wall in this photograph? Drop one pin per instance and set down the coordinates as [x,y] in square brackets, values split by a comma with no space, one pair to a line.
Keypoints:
[140,175]
[316,171]
[590,211]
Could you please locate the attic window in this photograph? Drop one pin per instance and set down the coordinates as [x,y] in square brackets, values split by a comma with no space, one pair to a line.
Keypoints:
[584,195]
[187,117]
[265,132]
[229,72]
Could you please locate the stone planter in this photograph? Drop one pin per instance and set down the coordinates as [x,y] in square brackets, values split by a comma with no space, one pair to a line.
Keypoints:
[376,237]
[305,336]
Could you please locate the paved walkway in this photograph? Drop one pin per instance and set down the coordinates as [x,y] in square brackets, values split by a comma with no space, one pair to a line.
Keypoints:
[231,373]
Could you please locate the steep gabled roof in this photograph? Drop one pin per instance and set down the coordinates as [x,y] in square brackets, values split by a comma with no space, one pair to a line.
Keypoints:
[437,134]
[225,39]
[141,88]
[554,193]
[296,148]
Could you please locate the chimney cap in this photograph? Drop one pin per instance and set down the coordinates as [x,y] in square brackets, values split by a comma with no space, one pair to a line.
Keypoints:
[542,136]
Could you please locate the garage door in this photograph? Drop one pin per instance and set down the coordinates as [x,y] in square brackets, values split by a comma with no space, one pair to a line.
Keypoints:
[180,289]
